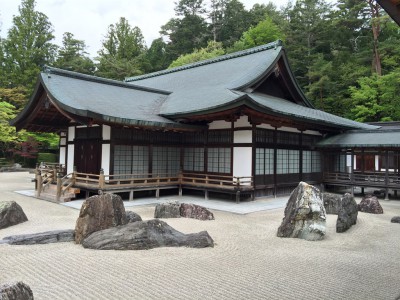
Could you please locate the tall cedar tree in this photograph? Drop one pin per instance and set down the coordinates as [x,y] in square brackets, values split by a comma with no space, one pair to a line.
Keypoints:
[72,56]
[123,52]
[28,46]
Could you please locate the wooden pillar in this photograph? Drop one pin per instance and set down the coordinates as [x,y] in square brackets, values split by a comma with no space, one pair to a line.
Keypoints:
[130,195]
[387,175]
[352,172]
[206,194]
[38,183]
[102,180]
[59,186]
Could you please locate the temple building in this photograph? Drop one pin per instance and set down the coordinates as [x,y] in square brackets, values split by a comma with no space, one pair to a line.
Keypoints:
[238,123]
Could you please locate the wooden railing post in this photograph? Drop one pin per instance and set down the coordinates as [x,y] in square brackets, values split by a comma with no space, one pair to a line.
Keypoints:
[102,179]
[73,178]
[38,183]
[59,186]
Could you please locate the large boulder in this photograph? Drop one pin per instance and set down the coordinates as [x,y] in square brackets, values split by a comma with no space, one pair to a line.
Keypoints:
[304,214]
[132,217]
[55,236]
[97,213]
[16,291]
[195,212]
[347,215]
[370,204]
[167,210]
[332,203]
[11,214]
[145,235]
[395,219]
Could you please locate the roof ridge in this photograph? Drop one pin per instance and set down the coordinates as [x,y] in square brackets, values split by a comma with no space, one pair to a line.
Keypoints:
[264,47]
[52,70]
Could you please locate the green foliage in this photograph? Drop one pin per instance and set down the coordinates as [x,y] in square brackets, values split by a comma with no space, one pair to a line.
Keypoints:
[28,46]
[265,32]
[47,157]
[8,134]
[156,56]
[212,50]
[17,96]
[123,52]
[72,56]
[377,98]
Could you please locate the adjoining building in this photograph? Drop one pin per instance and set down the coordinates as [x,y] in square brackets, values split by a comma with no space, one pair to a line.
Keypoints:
[235,123]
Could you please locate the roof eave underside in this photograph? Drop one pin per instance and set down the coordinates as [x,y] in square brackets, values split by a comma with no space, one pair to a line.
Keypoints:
[247,100]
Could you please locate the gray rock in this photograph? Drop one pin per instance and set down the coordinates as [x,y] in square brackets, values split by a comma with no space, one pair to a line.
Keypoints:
[196,212]
[347,215]
[332,203]
[304,214]
[55,236]
[370,204]
[395,219]
[132,217]
[145,235]
[167,210]
[16,291]
[99,212]
[11,214]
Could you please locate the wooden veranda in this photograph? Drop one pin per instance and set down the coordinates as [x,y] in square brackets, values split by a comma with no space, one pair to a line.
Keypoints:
[75,182]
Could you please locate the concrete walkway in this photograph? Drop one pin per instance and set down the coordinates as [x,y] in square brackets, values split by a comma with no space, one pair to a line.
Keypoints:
[245,207]
[221,205]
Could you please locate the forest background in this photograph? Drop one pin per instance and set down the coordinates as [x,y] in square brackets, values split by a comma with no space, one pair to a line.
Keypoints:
[345,55]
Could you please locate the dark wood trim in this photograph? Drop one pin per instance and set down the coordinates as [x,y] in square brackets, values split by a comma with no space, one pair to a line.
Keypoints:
[241,145]
[242,128]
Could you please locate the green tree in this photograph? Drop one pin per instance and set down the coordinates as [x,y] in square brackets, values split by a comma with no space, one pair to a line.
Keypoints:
[123,52]
[17,96]
[72,56]
[376,98]
[8,134]
[265,32]
[236,20]
[188,32]
[157,56]
[212,50]
[28,46]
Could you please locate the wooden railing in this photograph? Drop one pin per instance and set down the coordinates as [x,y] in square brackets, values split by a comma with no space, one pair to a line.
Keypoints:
[128,182]
[373,179]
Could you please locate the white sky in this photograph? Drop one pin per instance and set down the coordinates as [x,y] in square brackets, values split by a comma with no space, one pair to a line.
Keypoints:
[88,20]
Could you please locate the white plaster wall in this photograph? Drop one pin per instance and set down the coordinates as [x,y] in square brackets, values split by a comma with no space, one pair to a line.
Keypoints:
[70,159]
[63,141]
[243,136]
[265,126]
[288,129]
[219,125]
[348,160]
[312,132]
[105,158]
[355,163]
[377,162]
[106,132]
[71,134]
[63,152]
[242,157]
[243,121]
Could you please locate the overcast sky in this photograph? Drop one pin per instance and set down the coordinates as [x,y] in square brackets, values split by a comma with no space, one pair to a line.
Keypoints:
[88,20]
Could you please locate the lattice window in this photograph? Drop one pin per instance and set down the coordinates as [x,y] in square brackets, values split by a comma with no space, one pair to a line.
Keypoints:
[288,138]
[122,159]
[264,136]
[140,159]
[310,140]
[219,160]
[131,159]
[166,161]
[264,161]
[193,159]
[220,136]
[287,161]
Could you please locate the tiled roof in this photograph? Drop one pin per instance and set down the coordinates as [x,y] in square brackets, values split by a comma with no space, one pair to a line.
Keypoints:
[363,139]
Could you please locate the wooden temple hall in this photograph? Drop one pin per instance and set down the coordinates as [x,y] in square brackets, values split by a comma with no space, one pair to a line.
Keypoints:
[237,124]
